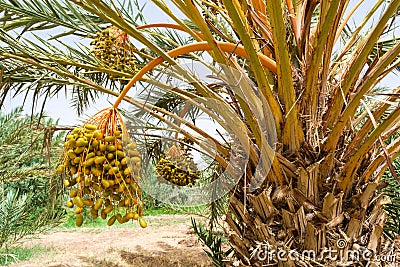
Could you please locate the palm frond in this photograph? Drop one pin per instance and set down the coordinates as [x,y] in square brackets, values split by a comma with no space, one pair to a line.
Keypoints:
[37,15]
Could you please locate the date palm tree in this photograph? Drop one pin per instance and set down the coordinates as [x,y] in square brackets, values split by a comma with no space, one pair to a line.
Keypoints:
[297,67]
[30,199]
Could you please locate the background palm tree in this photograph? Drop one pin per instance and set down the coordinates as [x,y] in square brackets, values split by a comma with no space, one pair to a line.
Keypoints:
[30,198]
[320,181]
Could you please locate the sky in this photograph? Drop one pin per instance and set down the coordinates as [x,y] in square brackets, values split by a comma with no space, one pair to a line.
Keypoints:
[59,107]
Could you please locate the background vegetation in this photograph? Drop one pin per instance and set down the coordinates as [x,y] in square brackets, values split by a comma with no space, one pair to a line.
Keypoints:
[30,198]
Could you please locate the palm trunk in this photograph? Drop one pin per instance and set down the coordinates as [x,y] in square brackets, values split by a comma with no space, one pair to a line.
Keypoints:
[305,215]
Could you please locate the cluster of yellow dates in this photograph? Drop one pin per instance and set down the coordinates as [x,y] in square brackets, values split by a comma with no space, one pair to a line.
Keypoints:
[113,49]
[101,175]
[177,166]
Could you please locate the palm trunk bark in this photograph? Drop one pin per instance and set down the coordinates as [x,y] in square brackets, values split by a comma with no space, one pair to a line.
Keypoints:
[307,214]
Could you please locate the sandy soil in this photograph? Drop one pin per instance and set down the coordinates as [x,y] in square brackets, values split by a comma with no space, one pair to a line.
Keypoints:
[167,241]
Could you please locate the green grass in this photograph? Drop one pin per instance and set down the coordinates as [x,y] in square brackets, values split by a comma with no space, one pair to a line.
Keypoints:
[93,223]
[196,210]
[15,254]
[161,210]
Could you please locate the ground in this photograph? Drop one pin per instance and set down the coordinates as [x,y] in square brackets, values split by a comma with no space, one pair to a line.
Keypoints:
[167,241]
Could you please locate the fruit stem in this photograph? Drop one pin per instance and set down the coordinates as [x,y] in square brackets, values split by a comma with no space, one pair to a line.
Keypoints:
[194,47]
